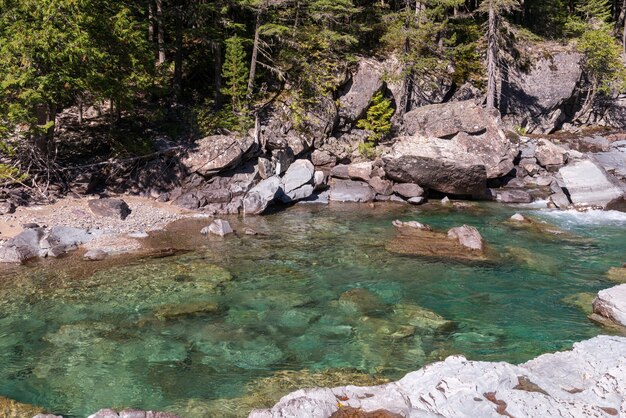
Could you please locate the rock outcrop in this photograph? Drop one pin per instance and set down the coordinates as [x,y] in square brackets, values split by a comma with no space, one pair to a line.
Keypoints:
[589,380]
[216,153]
[436,164]
[589,185]
[361,86]
[542,98]
[453,148]
[472,129]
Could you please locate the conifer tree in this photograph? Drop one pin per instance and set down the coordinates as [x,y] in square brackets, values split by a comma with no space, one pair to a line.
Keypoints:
[377,121]
[235,73]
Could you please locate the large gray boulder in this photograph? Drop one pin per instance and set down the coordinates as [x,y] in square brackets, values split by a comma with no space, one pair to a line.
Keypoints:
[588,184]
[216,153]
[261,195]
[298,181]
[62,239]
[588,381]
[543,97]
[549,154]
[22,247]
[437,164]
[351,191]
[359,90]
[470,129]
[408,190]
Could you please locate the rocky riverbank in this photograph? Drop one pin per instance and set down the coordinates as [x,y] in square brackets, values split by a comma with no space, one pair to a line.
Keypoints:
[587,381]
[100,226]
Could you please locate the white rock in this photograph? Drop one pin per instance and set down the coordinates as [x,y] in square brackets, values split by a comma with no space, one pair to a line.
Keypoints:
[518,217]
[589,381]
[218,227]
[300,172]
[589,184]
[468,236]
[611,304]
[411,224]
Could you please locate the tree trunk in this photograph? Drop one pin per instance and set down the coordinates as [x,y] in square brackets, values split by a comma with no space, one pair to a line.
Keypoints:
[217,78]
[160,32]
[151,20]
[492,56]
[623,16]
[178,58]
[80,111]
[255,53]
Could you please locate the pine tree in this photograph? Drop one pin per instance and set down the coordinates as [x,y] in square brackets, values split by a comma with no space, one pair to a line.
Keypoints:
[235,73]
[377,121]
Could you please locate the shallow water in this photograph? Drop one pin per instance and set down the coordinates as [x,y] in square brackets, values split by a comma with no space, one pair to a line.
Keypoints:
[204,332]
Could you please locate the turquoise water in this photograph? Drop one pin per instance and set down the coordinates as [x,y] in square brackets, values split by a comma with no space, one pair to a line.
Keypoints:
[238,322]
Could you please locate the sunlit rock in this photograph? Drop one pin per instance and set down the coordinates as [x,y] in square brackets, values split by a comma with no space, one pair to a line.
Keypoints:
[590,380]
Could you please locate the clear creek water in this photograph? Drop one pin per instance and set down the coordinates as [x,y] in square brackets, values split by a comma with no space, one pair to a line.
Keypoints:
[238,322]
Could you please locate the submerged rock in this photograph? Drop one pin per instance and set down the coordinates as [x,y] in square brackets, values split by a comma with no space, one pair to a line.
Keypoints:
[617,274]
[363,301]
[582,301]
[428,243]
[541,229]
[131,413]
[411,224]
[533,260]
[13,409]
[421,318]
[95,255]
[577,383]
[266,391]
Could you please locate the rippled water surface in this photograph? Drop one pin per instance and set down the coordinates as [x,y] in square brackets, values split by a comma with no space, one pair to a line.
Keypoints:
[316,299]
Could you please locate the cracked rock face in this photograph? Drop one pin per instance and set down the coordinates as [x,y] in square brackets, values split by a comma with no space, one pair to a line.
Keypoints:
[588,381]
